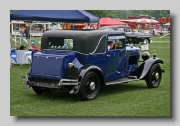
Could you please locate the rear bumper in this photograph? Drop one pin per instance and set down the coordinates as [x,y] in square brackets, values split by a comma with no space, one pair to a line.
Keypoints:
[68,82]
[49,84]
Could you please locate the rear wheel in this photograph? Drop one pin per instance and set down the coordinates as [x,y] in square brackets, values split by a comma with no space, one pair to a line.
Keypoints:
[154,76]
[40,90]
[90,86]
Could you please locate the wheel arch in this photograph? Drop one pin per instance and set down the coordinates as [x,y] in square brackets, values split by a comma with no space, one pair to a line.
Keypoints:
[87,68]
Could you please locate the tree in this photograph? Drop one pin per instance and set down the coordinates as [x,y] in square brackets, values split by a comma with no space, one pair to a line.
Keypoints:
[12,11]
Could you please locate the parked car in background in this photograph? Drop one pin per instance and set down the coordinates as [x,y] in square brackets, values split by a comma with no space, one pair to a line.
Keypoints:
[84,61]
[132,36]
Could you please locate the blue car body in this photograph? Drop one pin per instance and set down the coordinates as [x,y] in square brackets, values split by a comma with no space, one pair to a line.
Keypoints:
[59,67]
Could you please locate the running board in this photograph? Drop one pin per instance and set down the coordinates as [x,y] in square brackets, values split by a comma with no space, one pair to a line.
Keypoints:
[122,80]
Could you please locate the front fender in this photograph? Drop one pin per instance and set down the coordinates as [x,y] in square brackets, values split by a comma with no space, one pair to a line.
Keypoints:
[84,69]
[147,65]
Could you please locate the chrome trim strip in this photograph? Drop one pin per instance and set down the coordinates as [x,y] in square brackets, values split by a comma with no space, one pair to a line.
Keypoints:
[25,78]
[46,75]
[97,44]
[121,82]
[83,53]
[68,82]
[90,53]
[49,56]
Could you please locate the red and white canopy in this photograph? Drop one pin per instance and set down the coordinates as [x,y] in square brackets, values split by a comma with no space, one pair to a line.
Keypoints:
[106,21]
[145,20]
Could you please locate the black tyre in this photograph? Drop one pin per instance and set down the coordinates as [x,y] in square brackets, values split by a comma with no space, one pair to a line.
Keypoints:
[154,76]
[90,86]
[40,90]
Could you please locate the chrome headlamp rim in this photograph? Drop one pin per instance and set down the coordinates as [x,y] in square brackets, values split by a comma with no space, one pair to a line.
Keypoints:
[70,65]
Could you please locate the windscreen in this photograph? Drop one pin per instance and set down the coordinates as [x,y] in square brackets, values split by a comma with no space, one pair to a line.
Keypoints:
[128,29]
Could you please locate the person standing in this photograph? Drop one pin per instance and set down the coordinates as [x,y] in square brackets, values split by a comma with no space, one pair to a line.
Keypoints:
[27,32]
[44,29]
[22,32]
[153,32]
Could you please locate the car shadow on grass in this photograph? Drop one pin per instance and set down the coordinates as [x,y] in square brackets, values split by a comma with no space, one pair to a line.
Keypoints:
[57,95]
[122,88]
[63,95]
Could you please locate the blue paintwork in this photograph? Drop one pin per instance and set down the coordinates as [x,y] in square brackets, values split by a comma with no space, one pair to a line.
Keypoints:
[93,59]
[116,63]
[84,69]
[53,67]
[112,68]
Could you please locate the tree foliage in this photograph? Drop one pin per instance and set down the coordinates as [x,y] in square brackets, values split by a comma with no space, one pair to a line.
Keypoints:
[126,13]
[12,11]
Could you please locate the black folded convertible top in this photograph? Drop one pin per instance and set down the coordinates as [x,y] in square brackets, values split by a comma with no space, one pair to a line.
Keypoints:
[83,41]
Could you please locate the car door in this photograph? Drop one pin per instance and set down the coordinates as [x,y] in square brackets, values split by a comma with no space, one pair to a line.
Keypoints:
[115,57]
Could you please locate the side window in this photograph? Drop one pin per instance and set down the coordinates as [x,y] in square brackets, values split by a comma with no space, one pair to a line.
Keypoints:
[111,45]
[110,29]
[120,44]
[60,43]
[128,30]
[120,29]
[116,44]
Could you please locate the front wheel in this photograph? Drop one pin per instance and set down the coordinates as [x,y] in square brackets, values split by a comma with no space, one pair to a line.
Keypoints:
[154,76]
[90,86]
[40,90]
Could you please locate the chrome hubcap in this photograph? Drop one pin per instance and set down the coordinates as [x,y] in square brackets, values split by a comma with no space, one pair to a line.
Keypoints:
[156,76]
[92,85]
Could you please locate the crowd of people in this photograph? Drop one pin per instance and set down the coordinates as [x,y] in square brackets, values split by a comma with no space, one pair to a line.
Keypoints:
[24,31]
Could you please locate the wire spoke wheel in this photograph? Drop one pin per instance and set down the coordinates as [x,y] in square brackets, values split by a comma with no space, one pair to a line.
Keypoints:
[154,76]
[90,86]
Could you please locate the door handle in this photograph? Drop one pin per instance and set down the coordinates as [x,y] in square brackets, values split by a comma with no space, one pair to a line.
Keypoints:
[108,55]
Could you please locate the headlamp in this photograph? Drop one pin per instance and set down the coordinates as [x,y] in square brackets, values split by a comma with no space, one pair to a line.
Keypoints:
[70,65]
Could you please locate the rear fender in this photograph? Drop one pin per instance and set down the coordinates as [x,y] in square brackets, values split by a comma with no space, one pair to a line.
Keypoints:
[82,72]
[85,69]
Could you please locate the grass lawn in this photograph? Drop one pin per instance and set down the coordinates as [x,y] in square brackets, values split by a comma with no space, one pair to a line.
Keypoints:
[129,99]
[157,38]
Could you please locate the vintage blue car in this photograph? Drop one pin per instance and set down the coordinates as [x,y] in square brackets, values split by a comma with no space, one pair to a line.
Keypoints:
[83,61]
